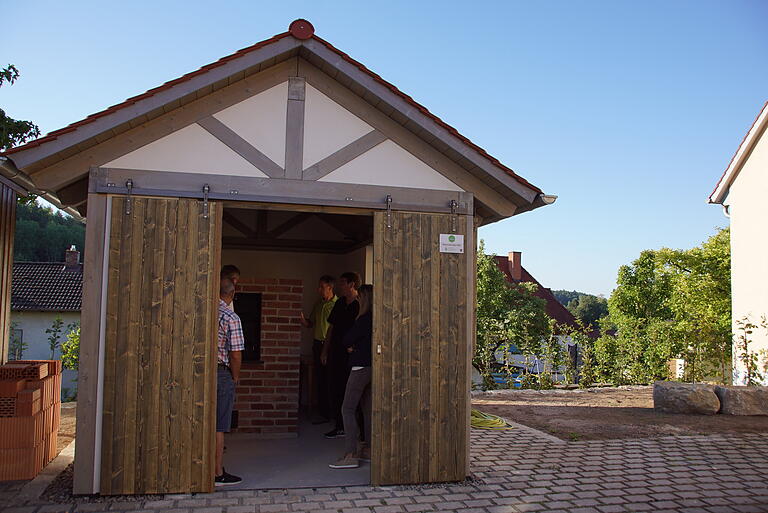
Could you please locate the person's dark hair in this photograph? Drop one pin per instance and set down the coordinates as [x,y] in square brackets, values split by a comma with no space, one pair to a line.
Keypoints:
[352,277]
[327,279]
[226,287]
[228,270]
[365,297]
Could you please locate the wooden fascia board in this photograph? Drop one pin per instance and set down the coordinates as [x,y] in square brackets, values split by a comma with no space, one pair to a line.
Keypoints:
[26,158]
[75,167]
[411,113]
[276,190]
[416,146]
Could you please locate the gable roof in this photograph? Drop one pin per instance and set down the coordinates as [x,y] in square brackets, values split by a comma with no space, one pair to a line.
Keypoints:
[46,287]
[742,153]
[554,308]
[299,40]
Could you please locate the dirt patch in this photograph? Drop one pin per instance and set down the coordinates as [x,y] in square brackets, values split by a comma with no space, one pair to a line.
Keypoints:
[67,427]
[605,413]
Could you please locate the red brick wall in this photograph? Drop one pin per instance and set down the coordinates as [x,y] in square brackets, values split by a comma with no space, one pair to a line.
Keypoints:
[268,396]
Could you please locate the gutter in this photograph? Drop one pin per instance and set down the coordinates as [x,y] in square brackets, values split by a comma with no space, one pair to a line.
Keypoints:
[21,182]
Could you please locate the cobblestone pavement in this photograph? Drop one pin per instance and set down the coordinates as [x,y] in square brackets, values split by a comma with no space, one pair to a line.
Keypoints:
[524,470]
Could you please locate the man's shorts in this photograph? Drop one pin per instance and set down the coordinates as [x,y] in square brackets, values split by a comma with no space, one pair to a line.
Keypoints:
[225,400]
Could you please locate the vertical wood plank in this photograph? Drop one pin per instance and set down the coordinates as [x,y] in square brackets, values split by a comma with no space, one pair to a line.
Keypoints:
[96,250]
[7,229]
[159,395]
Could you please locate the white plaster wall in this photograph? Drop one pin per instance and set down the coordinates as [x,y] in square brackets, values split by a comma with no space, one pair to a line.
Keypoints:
[34,325]
[749,246]
[189,150]
[260,120]
[390,165]
[328,126]
[308,267]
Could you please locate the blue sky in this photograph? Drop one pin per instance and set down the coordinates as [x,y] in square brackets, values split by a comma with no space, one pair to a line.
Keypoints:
[628,111]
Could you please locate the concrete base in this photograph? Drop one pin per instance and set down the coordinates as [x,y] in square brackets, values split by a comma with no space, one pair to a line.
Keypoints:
[300,462]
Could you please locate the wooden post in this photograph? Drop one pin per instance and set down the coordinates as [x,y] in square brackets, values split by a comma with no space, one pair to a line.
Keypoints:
[7,227]
[88,448]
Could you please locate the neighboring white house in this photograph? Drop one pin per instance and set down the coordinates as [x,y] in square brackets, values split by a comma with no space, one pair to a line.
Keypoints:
[41,291]
[743,192]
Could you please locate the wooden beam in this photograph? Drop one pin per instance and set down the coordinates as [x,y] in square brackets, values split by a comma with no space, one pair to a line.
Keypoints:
[290,223]
[74,194]
[61,172]
[261,223]
[346,154]
[7,230]
[276,190]
[88,449]
[294,128]
[287,244]
[238,225]
[242,147]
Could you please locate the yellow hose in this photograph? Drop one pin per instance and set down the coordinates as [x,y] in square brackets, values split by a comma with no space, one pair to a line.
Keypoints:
[482,420]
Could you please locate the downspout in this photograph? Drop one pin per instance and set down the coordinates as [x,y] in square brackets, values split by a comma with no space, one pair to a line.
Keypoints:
[9,170]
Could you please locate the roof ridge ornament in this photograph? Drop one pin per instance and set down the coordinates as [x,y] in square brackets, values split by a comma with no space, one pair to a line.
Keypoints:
[301,29]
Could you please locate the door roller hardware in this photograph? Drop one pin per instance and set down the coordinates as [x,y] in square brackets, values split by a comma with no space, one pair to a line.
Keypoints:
[454,206]
[389,211]
[206,190]
[129,186]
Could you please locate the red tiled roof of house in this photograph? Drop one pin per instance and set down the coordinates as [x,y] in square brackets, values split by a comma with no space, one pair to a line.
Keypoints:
[301,35]
[554,308]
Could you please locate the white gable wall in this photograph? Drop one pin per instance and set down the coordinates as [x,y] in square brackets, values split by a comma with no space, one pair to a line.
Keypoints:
[328,127]
[261,121]
[189,150]
[389,164]
[749,247]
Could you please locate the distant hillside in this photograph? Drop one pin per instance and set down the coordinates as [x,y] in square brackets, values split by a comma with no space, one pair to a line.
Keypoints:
[42,234]
[566,296]
[587,307]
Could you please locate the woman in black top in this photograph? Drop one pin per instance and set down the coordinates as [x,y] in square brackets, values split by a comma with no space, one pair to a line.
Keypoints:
[358,391]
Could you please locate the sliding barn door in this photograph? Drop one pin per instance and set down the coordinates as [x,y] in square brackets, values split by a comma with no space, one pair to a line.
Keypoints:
[159,356]
[423,307]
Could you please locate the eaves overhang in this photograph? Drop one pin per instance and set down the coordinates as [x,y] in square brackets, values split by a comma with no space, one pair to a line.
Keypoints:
[757,129]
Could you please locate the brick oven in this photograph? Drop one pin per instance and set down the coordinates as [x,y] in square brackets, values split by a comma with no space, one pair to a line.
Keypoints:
[268,395]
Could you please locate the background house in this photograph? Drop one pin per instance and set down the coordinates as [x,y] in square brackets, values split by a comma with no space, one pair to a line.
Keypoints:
[742,191]
[40,292]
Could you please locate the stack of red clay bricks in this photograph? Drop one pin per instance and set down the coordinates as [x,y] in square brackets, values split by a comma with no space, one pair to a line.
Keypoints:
[30,414]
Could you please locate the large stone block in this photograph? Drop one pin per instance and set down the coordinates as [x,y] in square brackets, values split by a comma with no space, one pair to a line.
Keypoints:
[674,397]
[740,400]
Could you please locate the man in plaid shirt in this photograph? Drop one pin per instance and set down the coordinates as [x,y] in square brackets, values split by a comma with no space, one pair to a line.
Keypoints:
[230,346]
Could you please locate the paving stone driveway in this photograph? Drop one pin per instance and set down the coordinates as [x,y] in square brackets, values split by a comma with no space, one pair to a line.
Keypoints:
[525,470]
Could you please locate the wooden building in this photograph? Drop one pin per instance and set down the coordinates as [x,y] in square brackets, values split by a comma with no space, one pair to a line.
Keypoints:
[283,149]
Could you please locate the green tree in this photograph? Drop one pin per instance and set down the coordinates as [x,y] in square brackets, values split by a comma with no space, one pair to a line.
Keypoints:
[43,235]
[669,304]
[566,296]
[700,304]
[588,308]
[16,346]
[13,131]
[70,348]
[54,335]
[507,314]
[635,347]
